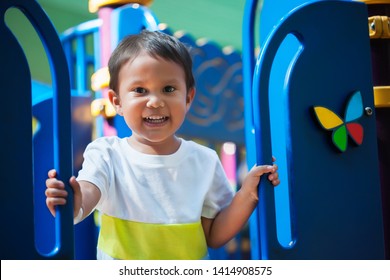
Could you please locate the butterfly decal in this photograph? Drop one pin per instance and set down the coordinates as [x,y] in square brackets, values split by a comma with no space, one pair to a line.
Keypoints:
[340,128]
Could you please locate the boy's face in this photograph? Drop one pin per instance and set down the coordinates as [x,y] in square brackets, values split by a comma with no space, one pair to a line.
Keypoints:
[152,97]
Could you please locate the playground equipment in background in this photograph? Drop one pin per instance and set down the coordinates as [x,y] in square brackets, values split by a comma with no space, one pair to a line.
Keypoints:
[218,117]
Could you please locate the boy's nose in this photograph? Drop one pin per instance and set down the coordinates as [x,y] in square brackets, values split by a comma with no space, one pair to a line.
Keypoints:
[155,101]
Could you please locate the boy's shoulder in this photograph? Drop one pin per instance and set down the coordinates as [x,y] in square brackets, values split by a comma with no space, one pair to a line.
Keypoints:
[106,141]
[199,148]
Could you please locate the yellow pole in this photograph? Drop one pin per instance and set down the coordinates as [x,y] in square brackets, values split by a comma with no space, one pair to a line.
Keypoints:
[368,2]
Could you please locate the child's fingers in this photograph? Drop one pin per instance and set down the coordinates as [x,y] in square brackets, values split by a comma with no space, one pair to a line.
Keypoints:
[275,182]
[270,169]
[262,169]
[53,193]
[54,183]
[55,196]
[52,202]
[74,184]
[274,178]
[52,173]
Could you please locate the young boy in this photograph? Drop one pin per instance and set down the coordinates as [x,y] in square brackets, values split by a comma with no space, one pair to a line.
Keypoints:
[161,197]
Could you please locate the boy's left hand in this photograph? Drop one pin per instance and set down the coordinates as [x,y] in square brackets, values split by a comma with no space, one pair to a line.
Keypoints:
[257,171]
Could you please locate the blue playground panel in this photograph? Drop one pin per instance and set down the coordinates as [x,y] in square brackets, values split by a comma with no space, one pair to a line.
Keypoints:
[17,237]
[335,201]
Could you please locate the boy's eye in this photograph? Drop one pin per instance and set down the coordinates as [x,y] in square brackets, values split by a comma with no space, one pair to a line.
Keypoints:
[169,89]
[139,90]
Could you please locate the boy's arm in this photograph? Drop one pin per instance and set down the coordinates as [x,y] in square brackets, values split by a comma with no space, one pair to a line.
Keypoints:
[86,201]
[231,219]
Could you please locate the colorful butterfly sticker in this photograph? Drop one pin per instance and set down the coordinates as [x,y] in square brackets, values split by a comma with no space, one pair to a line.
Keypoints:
[329,120]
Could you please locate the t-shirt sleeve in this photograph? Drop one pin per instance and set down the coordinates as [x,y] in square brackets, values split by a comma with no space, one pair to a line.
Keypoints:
[220,194]
[96,167]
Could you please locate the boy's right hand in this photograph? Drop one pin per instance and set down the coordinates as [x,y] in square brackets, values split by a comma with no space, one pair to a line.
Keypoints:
[57,195]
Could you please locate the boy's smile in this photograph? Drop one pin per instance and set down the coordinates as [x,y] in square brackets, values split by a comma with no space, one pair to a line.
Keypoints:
[156,120]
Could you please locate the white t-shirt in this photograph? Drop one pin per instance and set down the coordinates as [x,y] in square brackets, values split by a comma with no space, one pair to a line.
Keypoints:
[156,189]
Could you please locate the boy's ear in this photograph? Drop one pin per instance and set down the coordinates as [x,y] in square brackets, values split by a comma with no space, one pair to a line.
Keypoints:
[190,97]
[115,101]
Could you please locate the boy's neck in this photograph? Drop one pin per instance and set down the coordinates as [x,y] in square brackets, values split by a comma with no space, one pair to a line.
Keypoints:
[165,148]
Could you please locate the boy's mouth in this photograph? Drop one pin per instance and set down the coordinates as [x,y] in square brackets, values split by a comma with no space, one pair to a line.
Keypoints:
[156,119]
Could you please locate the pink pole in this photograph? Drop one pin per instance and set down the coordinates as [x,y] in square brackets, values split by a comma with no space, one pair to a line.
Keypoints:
[228,159]
[104,14]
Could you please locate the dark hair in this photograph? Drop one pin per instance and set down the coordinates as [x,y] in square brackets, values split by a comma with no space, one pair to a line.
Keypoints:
[156,44]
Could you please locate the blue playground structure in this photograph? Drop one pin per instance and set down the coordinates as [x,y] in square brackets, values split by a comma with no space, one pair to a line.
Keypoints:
[316,97]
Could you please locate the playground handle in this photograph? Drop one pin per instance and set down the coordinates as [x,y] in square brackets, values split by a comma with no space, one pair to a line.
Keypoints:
[64,245]
[262,135]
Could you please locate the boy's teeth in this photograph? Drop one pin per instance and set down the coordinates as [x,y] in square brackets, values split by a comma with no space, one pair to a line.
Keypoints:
[156,119]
